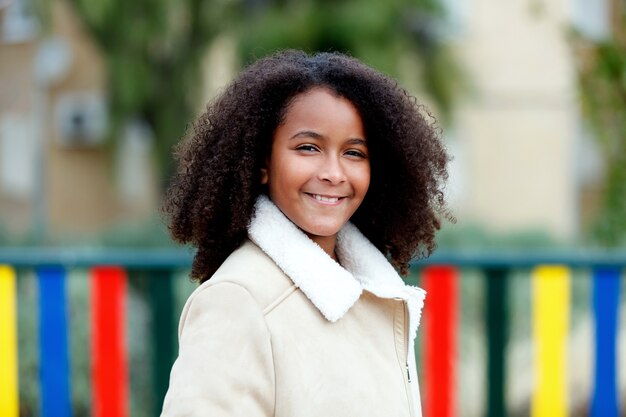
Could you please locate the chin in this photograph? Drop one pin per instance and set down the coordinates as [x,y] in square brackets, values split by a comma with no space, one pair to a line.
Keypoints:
[324,231]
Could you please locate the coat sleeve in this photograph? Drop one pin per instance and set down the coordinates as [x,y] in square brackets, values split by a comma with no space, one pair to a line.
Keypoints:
[225,365]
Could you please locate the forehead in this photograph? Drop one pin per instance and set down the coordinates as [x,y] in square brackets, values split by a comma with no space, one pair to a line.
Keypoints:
[322,106]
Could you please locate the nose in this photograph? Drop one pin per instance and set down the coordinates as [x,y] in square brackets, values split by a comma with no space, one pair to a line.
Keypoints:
[331,171]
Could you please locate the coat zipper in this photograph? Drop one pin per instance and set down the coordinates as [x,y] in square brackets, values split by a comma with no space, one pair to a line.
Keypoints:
[407,382]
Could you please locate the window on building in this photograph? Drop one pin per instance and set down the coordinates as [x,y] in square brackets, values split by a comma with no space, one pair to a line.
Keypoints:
[18,23]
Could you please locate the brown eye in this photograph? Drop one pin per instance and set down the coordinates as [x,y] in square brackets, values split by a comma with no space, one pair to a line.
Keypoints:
[307,148]
[356,153]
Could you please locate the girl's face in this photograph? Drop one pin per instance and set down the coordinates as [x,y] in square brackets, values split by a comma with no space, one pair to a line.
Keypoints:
[319,170]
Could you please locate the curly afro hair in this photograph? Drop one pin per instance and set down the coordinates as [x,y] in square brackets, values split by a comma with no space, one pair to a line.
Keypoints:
[211,198]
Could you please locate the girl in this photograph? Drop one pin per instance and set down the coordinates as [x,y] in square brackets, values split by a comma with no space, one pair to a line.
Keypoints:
[304,184]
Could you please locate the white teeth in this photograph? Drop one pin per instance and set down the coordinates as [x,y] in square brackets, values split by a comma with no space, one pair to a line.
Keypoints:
[326,199]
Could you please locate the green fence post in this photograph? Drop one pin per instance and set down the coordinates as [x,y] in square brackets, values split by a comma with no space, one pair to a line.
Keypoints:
[163,327]
[497,335]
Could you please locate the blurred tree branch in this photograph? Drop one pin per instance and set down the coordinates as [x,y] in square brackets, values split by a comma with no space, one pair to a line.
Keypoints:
[154,48]
[384,34]
[602,83]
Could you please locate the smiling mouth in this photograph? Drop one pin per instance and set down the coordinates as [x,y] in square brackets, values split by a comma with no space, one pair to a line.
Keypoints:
[326,199]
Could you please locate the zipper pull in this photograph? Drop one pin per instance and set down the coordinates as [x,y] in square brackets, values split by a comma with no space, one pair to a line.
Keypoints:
[408,374]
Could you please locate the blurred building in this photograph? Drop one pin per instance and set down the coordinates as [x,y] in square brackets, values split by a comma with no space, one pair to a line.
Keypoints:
[56,174]
[523,159]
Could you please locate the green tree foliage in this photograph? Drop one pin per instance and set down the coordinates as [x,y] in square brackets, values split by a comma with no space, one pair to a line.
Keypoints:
[154,48]
[602,81]
[388,35]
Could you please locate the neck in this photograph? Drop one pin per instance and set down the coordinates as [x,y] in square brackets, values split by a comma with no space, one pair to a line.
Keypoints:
[327,243]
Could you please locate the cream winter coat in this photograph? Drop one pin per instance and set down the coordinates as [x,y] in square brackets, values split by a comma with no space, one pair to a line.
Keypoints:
[283,330]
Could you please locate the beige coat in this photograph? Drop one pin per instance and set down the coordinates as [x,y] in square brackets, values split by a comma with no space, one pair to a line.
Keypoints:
[283,330]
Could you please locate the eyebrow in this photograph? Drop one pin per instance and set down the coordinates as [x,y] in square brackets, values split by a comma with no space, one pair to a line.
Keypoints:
[315,135]
[357,141]
[307,134]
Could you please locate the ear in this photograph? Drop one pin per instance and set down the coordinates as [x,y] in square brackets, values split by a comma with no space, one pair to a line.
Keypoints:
[264,176]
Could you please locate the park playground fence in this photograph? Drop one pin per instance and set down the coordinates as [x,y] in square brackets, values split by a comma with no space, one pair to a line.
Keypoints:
[548,275]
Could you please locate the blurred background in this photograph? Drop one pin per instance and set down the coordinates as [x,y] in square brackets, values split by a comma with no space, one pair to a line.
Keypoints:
[530,96]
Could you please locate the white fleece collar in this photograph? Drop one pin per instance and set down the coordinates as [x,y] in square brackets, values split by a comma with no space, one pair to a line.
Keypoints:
[331,287]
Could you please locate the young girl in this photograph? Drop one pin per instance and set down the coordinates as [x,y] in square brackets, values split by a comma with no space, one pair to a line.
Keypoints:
[305,185]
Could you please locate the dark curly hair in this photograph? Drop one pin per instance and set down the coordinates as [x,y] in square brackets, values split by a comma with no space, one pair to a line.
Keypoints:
[210,200]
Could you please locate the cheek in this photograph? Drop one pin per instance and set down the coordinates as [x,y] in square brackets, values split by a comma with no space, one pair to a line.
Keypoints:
[284,181]
[362,181]
[290,171]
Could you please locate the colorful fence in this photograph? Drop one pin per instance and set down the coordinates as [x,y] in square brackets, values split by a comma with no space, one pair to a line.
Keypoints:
[549,278]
